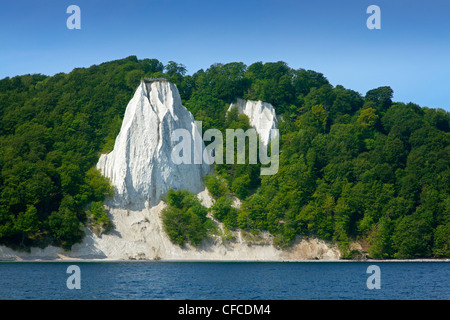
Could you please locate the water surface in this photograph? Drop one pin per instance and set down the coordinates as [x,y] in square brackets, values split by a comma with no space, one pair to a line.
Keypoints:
[225,280]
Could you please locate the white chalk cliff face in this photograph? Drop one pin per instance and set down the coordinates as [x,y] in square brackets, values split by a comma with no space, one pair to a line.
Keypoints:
[140,166]
[261,116]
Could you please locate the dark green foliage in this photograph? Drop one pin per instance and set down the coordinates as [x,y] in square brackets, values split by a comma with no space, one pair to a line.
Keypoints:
[380,98]
[98,218]
[64,225]
[184,219]
[441,246]
[223,211]
[217,186]
[241,185]
[412,237]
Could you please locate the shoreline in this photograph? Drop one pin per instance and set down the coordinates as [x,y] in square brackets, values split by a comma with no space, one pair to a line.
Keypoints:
[63,260]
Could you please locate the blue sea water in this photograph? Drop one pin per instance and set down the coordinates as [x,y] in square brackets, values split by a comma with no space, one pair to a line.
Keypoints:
[225,281]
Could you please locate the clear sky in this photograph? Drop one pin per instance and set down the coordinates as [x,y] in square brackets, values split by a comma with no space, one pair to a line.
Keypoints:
[410,53]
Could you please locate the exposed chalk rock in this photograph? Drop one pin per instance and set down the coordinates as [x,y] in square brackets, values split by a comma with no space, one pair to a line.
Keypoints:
[261,116]
[140,166]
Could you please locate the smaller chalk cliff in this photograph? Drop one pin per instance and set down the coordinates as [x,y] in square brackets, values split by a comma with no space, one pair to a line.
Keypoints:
[261,116]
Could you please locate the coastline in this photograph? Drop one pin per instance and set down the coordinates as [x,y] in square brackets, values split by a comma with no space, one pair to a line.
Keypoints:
[106,260]
[139,237]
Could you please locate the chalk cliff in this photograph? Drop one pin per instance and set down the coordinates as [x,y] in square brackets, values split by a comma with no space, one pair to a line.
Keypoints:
[261,116]
[140,166]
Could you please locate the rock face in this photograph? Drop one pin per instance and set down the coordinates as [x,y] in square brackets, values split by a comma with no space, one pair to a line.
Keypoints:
[261,116]
[140,166]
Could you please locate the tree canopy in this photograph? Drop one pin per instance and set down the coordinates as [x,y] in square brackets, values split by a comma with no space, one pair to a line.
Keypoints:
[352,166]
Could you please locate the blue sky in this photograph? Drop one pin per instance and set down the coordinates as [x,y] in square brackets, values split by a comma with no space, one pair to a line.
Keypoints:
[410,53]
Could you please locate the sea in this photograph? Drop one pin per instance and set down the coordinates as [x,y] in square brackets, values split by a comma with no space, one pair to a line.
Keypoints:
[162,280]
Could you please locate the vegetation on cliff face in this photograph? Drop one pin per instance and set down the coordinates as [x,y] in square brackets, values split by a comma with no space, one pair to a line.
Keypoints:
[184,219]
[352,166]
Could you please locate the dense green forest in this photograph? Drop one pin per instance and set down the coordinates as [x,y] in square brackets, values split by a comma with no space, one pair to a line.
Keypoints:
[352,166]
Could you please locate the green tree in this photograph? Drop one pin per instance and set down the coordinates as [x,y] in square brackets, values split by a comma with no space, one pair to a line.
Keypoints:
[27,222]
[64,225]
[380,239]
[381,96]
[368,118]
[320,115]
[184,219]
[216,186]
[412,238]
[133,78]
[224,212]
[241,185]
[441,248]
[98,216]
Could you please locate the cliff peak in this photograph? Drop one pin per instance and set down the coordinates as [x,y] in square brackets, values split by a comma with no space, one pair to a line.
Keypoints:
[140,165]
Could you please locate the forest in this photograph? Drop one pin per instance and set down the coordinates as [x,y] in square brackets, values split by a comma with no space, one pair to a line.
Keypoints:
[351,167]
